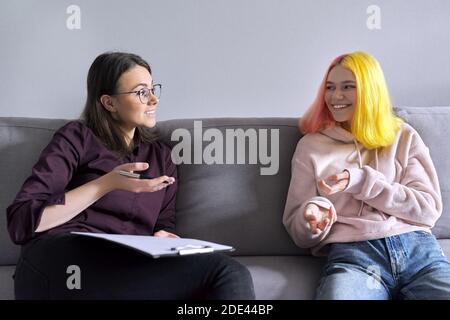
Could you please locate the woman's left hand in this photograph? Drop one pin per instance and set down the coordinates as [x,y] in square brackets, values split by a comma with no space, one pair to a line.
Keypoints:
[338,183]
[165,234]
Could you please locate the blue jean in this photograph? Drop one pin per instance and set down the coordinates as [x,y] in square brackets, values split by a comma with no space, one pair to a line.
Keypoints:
[405,266]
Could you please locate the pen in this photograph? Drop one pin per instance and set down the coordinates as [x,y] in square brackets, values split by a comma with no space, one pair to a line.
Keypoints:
[136,175]
[192,249]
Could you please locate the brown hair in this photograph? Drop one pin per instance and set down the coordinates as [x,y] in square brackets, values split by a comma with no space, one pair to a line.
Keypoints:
[102,78]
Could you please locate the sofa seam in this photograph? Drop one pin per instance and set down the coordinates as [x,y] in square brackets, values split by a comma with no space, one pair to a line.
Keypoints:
[259,125]
[190,128]
[27,127]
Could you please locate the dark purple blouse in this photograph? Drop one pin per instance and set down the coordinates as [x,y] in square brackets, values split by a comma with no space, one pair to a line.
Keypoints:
[76,156]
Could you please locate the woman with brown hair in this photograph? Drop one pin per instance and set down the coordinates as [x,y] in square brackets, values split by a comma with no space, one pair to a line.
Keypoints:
[75,186]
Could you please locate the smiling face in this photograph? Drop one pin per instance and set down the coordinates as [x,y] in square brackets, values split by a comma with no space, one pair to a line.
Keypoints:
[128,108]
[340,94]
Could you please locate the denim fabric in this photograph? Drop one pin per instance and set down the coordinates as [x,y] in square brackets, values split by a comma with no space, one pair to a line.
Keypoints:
[405,266]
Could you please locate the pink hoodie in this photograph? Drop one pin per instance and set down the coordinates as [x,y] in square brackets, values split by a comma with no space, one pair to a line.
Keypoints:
[392,190]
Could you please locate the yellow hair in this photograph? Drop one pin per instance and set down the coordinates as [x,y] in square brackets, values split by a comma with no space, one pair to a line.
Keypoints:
[374,123]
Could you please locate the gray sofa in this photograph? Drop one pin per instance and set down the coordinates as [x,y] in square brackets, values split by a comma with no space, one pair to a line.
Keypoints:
[230,204]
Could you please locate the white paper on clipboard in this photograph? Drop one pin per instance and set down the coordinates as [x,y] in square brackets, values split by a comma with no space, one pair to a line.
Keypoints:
[158,247]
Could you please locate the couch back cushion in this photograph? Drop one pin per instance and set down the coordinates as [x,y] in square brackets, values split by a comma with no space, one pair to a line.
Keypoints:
[228,203]
[235,203]
[433,125]
[21,142]
[232,204]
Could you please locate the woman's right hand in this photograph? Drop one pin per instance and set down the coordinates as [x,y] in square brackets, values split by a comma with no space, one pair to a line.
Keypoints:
[318,218]
[137,185]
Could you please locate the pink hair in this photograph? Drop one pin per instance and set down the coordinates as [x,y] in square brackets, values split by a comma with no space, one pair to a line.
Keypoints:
[318,117]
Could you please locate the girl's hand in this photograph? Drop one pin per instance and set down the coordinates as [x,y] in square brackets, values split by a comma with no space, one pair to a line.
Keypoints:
[338,183]
[120,182]
[318,218]
[165,234]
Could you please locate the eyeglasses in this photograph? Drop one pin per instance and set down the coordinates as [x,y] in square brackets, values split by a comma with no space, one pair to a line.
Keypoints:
[144,93]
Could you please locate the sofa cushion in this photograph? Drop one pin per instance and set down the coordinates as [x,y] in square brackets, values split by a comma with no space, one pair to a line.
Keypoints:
[7,282]
[284,277]
[433,125]
[236,204]
[232,204]
[22,140]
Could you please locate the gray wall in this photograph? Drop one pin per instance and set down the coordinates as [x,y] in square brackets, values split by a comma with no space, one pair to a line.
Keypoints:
[219,57]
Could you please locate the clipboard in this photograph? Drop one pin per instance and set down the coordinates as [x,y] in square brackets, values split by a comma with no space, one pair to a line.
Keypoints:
[158,247]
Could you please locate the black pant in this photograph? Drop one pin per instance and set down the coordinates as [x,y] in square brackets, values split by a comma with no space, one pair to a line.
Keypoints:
[110,271]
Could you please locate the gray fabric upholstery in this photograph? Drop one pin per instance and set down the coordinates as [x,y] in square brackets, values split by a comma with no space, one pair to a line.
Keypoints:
[21,141]
[231,204]
[284,277]
[6,282]
[433,125]
[234,204]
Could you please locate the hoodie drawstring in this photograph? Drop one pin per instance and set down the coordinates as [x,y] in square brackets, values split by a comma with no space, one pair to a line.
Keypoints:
[360,166]
[359,154]
[376,159]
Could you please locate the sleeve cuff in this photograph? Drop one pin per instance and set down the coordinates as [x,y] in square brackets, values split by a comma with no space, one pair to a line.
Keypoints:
[56,199]
[355,180]
[323,203]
